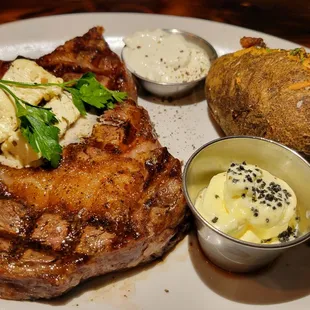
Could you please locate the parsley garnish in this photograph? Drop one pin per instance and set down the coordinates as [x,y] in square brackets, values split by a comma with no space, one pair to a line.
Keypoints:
[295,51]
[38,123]
[87,90]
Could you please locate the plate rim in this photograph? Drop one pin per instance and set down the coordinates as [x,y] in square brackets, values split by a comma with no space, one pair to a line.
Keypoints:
[132,14]
[88,15]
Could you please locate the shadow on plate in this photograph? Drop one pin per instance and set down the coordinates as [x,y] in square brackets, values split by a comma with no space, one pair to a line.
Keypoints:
[217,127]
[285,280]
[196,96]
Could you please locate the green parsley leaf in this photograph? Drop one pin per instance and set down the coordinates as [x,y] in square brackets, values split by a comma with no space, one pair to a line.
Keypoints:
[43,138]
[295,51]
[95,94]
[118,95]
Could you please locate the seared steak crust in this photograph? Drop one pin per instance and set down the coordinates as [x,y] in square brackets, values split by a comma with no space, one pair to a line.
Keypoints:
[114,202]
[89,53]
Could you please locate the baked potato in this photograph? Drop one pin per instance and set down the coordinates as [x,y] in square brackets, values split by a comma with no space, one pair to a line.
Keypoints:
[262,92]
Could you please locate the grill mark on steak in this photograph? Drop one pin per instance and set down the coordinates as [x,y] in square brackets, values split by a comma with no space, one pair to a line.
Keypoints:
[14,219]
[155,164]
[114,202]
[50,230]
[4,193]
[129,133]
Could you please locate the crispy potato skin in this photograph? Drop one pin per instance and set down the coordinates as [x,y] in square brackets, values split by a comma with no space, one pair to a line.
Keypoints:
[262,92]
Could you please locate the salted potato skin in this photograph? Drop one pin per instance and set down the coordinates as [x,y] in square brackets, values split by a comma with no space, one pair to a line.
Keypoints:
[262,92]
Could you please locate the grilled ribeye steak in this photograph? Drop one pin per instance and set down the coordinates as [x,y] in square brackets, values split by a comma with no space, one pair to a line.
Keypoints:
[89,53]
[114,202]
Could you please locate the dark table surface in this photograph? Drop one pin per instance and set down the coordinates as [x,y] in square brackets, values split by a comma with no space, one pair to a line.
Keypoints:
[283,18]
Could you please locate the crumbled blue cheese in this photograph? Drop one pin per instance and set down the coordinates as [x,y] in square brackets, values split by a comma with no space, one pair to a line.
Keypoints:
[15,150]
[8,119]
[27,71]
[65,111]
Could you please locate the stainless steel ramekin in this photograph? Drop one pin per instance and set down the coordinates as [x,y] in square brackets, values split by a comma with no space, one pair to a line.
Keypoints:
[174,89]
[215,157]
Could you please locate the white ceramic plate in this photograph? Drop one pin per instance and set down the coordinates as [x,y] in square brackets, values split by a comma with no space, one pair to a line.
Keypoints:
[184,279]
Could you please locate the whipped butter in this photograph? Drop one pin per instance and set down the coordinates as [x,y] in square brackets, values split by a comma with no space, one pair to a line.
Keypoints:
[249,203]
[163,57]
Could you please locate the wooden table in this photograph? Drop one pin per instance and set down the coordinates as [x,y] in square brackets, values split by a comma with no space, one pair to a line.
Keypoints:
[283,18]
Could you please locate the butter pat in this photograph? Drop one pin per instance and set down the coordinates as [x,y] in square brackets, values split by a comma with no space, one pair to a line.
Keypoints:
[250,204]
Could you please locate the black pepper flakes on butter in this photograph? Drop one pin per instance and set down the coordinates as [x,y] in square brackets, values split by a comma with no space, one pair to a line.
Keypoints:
[248,177]
[260,196]
[215,219]
[285,235]
[269,197]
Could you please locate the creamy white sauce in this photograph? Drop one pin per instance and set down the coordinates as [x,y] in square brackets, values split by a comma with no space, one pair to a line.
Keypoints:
[163,57]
